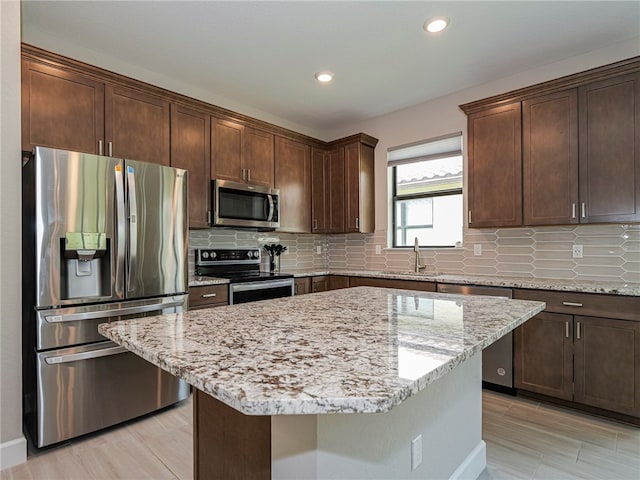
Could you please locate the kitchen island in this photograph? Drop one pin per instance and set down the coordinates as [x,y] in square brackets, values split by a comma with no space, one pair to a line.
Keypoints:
[357,383]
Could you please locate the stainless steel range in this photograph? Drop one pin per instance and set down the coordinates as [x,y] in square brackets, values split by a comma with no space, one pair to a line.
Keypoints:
[242,267]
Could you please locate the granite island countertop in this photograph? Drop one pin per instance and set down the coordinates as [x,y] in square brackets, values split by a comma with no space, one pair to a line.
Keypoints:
[361,349]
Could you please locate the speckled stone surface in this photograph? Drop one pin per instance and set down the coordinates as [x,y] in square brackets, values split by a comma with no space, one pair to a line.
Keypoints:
[203,281]
[583,286]
[360,349]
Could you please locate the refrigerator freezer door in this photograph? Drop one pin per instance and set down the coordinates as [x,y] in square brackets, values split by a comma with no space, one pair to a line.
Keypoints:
[73,195]
[83,389]
[157,230]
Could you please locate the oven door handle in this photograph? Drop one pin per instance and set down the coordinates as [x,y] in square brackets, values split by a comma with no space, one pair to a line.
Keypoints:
[249,286]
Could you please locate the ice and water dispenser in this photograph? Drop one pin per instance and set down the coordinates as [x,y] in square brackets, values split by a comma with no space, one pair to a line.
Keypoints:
[86,265]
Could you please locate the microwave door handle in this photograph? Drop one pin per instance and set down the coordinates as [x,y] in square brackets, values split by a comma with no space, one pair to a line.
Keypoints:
[271,208]
[133,228]
[120,231]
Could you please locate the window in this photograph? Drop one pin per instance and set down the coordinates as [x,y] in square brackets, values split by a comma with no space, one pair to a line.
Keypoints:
[426,181]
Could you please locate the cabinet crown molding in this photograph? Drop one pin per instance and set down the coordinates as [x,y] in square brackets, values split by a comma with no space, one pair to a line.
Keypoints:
[575,80]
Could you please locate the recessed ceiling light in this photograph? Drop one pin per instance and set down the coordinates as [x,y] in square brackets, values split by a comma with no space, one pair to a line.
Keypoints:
[324,77]
[436,24]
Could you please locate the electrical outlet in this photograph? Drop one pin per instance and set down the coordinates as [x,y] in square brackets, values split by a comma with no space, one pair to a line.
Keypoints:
[378,249]
[477,249]
[577,251]
[416,452]
[319,250]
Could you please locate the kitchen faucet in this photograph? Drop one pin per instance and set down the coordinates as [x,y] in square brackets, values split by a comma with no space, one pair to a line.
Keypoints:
[416,249]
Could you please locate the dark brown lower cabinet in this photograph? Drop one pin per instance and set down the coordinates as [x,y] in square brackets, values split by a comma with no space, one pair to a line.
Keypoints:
[543,350]
[302,286]
[392,283]
[607,364]
[585,360]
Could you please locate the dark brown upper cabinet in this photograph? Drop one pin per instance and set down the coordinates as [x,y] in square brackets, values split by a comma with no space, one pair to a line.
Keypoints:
[550,159]
[359,188]
[137,125]
[319,190]
[580,138]
[190,135]
[61,109]
[242,154]
[609,118]
[328,192]
[293,178]
[495,167]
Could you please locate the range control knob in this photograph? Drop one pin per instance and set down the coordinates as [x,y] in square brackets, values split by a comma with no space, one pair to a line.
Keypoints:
[205,254]
[213,255]
[250,254]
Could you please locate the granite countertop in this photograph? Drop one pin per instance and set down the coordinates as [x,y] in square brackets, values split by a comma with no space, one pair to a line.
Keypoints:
[361,349]
[581,286]
[204,281]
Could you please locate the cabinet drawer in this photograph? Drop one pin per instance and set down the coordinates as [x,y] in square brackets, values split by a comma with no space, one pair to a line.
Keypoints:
[208,296]
[592,304]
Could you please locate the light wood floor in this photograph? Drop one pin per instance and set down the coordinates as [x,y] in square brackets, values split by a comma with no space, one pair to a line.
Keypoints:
[525,439]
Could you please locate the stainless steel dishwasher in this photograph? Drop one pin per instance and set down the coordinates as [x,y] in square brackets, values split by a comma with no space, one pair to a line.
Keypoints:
[497,359]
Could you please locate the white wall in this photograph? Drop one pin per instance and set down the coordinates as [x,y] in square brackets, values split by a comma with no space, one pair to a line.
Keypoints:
[12,443]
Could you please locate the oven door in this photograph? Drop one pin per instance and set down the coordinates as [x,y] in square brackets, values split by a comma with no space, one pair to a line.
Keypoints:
[264,290]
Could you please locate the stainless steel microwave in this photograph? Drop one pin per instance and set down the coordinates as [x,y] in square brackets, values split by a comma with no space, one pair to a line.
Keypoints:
[240,205]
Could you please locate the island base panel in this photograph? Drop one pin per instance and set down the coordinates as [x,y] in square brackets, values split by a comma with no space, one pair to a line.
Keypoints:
[227,444]
[447,413]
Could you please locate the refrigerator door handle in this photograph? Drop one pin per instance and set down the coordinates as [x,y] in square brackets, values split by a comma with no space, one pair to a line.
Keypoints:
[120,232]
[74,317]
[133,228]
[74,357]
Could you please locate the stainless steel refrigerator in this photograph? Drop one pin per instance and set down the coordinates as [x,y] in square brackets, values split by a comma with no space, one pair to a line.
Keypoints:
[103,239]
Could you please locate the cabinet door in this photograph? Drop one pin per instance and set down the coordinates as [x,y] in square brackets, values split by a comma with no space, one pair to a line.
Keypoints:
[319,193]
[190,134]
[258,156]
[543,355]
[607,364]
[137,125]
[302,286]
[550,159]
[335,190]
[319,284]
[61,109]
[226,150]
[293,178]
[495,167]
[359,188]
[609,144]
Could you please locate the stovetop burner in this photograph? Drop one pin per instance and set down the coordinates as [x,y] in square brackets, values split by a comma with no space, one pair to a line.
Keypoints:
[238,265]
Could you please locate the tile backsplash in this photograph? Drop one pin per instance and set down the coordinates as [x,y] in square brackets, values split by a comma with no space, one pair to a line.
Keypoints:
[610,252]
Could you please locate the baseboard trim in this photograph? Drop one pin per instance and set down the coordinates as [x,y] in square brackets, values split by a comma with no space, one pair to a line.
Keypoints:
[13,452]
[473,465]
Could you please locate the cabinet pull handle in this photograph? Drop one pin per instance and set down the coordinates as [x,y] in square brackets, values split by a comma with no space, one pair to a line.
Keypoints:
[571,304]
[99,147]
[111,149]
[578,330]
[573,210]
[315,224]
[469,215]
[357,222]
[248,174]
[583,210]
[244,174]
[209,217]
[209,295]
[566,329]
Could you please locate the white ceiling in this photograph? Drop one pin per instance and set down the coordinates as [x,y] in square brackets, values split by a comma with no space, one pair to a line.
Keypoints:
[264,54]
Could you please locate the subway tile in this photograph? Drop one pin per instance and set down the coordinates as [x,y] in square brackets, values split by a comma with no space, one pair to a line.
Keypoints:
[554,273]
[593,230]
[566,236]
